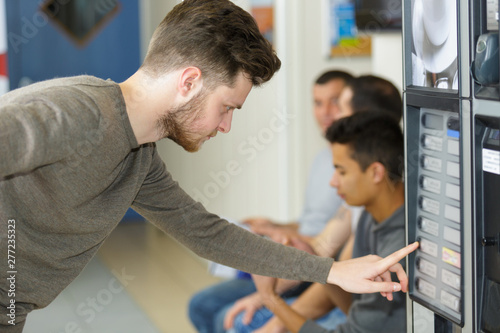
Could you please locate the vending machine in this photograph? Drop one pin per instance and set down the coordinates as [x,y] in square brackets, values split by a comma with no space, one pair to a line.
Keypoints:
[452,173]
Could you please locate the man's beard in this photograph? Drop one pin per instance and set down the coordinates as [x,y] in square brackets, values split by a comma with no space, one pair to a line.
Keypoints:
[177,123]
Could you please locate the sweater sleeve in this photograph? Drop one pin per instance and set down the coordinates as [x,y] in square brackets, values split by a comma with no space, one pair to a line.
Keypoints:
[166,205]
[39,132]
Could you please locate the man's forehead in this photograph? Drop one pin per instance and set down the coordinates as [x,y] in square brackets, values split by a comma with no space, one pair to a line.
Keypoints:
[341,152]
[335,85]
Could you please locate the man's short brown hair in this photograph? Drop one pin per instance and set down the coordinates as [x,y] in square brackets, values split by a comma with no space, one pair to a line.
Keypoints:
[218,37]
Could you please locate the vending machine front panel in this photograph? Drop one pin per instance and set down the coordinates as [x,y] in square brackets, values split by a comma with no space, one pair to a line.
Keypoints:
[434,206]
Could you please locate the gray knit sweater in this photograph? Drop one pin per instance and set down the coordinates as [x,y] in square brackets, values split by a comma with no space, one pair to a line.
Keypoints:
[70,167]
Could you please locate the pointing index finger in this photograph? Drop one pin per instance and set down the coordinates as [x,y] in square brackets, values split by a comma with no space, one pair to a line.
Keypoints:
[395,257]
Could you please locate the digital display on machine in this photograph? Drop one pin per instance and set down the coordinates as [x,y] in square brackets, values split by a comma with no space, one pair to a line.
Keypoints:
[432,121]
[436,220]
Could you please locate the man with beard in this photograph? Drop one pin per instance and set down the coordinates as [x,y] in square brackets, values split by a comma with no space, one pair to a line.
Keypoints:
[78,152]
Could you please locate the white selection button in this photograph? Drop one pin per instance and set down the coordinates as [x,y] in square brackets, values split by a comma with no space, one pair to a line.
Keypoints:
[451,279]
[454,147]
[429,205]
[451,301]
[430,184]
[431,163]
[453,191]
[432,142]
[428,226]
[426,288]
[428,247]
[426,267]
[453,169]
[451,235]
[452,213]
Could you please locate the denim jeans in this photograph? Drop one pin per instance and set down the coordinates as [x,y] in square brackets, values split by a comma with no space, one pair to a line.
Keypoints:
[207,308]
[328,321]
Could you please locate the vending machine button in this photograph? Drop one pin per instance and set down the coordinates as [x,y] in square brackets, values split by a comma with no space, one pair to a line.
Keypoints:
[428,226]
[453,191]
[431,163]
[429,205]
[428,247]
[426,288]
[451,235]
[451,301]
[452,213]
[426,267]
[451,279]
[430,184]
[454,147]
[453,169]
[432,142]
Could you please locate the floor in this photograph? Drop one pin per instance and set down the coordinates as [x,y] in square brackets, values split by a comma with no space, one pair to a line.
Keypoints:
[140,281]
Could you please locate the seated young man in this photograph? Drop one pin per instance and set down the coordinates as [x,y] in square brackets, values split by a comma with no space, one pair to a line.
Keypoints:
[368,151]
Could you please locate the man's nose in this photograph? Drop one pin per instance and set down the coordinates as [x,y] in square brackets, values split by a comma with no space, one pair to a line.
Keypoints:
[334,182]
[225,125]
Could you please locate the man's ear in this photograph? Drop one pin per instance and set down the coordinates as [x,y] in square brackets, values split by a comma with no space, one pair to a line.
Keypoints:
[190,81]
[378,172]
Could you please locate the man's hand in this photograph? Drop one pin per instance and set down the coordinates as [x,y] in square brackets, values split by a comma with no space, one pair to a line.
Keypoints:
[299,243]
[249,304]
[275,231]
[258,224]
[371,273]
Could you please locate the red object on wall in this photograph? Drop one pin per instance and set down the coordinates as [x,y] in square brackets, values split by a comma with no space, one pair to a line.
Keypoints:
[3,64]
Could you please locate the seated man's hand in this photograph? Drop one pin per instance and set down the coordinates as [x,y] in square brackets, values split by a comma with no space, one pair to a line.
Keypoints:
[371,273]
[275,231]
[257,224]
[298,243]
[249,304]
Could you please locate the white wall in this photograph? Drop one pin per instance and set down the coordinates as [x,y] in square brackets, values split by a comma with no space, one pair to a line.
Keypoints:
[260,167]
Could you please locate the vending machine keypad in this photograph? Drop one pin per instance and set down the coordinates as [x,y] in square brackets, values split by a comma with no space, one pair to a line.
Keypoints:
[438,224]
